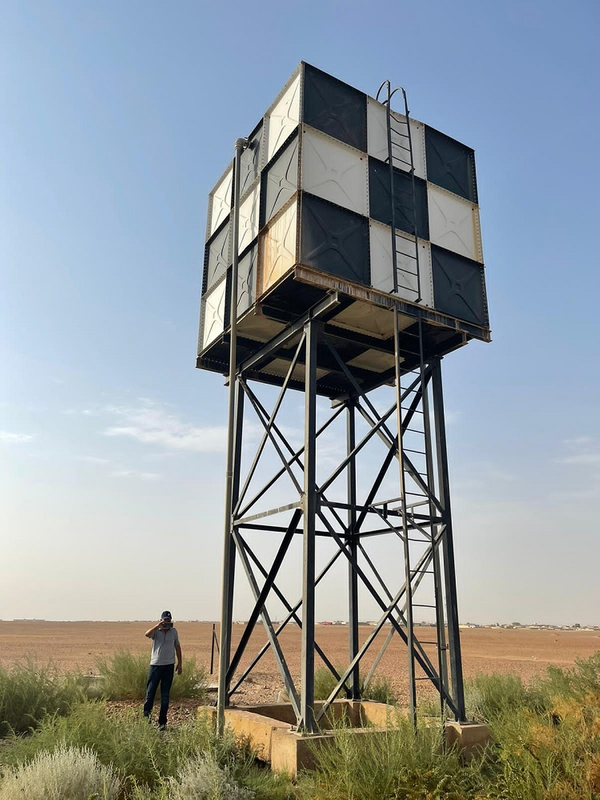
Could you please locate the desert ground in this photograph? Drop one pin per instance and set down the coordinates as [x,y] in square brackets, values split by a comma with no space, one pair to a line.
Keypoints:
[76,646]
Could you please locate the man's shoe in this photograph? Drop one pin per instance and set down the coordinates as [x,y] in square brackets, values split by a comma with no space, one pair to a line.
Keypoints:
[162,727]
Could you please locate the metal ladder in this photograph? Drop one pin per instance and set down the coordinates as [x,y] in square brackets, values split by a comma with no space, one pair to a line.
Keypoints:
[422,560]
[422,564]
[405,253]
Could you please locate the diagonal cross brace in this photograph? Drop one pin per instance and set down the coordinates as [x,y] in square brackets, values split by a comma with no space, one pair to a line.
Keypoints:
[262,595]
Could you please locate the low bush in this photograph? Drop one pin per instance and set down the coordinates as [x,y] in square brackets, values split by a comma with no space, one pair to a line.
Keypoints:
[133,747]
[203,779]
[68,772]
[124,677]
[29,692]
[536,756]
[580,681]
[488,697]
[325,683]
[380,690]
[144,758]
[397,763]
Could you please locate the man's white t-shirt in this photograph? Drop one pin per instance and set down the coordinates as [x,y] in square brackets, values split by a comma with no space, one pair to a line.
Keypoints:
[163,647]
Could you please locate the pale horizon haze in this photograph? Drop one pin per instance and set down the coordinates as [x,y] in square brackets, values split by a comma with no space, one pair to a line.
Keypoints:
[117,120]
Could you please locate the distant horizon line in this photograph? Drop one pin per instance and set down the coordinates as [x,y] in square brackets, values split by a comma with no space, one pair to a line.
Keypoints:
[336,623]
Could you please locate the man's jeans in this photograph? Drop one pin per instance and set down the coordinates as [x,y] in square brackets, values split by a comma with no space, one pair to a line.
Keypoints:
[164,675]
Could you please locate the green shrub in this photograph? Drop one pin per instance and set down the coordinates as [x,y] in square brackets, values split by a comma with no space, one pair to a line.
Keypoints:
[488,697]
[536,757]
[581,681]
[124,676]
[397,763]
[142,756]
[203,779]
[380,690]
[134,748]
[68,772]
[29,691]
[325,683]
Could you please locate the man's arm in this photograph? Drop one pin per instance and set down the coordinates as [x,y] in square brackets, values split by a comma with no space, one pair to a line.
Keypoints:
[179,666]
[150,632]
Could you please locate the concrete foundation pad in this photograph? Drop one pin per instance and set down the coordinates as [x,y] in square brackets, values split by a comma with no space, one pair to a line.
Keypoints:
[271,730]
[470,737]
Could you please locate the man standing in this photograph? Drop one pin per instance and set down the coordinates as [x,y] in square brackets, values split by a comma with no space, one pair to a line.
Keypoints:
[165,644]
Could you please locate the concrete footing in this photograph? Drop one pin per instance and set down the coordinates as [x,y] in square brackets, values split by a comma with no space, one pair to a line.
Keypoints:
[470,737]
[271,730]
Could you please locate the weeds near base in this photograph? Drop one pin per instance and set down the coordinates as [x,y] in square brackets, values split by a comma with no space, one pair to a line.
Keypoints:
[396,763]
[29,692]
[379,689]
[546,746]
[124,677]
[69,772]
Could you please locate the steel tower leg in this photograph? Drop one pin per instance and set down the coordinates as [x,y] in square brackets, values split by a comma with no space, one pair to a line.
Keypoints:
[352,546]
[234,423]
[309,504]
[448,546]
[405,528]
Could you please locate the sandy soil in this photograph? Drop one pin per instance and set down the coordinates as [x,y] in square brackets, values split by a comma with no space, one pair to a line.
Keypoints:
[78,645]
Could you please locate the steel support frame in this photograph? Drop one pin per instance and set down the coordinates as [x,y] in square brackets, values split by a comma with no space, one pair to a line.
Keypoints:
[350,523]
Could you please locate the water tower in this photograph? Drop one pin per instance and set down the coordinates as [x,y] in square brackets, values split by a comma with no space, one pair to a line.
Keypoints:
[343,261]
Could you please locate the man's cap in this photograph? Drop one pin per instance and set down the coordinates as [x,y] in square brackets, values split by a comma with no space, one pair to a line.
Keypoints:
[165,615]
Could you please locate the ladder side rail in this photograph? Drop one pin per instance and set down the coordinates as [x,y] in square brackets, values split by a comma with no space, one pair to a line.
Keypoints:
[412,177]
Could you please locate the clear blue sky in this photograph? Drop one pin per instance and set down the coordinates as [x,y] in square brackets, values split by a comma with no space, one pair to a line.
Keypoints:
[117,119]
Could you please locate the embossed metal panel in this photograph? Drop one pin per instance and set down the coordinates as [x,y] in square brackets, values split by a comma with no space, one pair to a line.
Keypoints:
[380,202]
[458,286]
[380,244]
[217,256]
[278,248]
[334,240]
[335,108]
[280,181]
[250,161]
[454,223]
[247,279]
[249,211]
[378,143]
[382,264]
[213,314]
[283,117]
[450,164]
[334,171]
[219,202]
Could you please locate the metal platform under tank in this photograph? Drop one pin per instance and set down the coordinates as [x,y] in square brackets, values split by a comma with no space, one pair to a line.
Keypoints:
[359,320]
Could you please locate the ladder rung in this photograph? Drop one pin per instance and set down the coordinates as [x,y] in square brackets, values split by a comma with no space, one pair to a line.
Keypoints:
[408,450]
[422,605]
[403,269]
[407,255]
[422,642]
